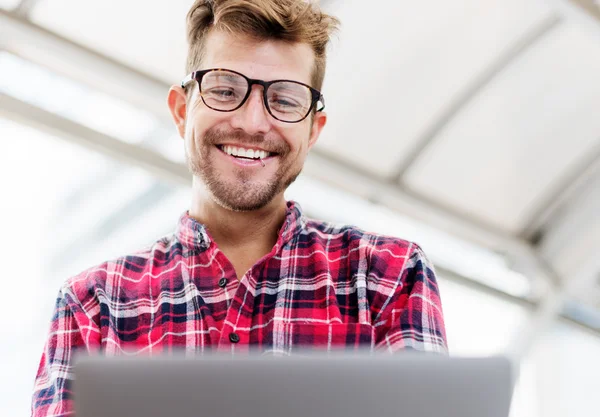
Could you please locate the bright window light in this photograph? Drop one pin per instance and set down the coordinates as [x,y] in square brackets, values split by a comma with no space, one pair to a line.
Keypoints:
[65,97]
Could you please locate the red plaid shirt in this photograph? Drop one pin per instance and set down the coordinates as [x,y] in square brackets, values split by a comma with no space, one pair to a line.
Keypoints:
[321,287]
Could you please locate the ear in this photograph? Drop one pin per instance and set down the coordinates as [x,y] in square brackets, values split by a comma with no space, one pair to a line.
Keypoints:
[318,123]
[177,102]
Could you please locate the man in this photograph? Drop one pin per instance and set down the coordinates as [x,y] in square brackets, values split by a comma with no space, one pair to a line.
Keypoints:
[245,270]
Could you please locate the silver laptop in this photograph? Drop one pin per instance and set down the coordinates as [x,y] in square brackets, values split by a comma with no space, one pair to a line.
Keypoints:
[408,385]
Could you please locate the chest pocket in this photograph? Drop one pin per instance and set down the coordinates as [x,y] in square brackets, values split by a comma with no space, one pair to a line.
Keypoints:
[288,338]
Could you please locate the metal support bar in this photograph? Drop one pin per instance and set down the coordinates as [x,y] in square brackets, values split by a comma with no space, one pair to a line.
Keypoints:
[25,39]
[24,8]
[564,191]
[60,127]
[574,13]
[590,6]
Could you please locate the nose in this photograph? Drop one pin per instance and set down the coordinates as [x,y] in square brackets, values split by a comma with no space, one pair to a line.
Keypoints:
[252,117]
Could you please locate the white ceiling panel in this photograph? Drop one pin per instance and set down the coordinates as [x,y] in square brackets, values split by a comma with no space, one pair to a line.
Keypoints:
[9,4]
[511,146]
[397,67]
[150,39]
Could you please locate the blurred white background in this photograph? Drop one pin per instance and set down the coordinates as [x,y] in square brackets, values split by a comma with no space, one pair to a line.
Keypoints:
[471,127]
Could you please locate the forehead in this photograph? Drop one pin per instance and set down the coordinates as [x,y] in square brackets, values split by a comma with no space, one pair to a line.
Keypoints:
[266,60]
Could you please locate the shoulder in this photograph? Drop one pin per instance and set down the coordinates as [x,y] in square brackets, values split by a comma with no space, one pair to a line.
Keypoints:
[126,272]
[385,255]
[391,265]
[378,248]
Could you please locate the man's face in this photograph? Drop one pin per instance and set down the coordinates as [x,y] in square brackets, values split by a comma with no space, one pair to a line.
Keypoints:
[234,182]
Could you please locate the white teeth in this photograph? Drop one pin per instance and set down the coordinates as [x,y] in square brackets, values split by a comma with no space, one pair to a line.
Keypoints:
[246,153]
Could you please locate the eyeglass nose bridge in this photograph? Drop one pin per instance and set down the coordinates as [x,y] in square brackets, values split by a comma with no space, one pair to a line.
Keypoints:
[265,85]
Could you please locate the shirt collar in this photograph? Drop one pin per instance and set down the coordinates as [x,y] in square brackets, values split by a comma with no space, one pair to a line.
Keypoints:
[193,234]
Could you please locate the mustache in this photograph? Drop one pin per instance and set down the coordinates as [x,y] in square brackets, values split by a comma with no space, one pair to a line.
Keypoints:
[217,137]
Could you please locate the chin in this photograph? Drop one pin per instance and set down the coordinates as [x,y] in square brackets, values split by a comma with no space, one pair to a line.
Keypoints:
[243,198]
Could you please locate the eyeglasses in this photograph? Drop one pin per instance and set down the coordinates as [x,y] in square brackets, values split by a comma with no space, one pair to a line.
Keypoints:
[226,90]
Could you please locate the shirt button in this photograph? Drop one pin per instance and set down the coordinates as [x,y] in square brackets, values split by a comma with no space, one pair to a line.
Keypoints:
[234,338]
[223,282]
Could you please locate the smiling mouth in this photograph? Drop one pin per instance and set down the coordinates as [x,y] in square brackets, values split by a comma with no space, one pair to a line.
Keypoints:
[245,154]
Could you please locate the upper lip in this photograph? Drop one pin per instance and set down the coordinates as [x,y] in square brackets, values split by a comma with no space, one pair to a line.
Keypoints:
[254,148]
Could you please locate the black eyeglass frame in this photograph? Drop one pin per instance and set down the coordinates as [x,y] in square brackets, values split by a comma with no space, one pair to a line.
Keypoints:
[198,75]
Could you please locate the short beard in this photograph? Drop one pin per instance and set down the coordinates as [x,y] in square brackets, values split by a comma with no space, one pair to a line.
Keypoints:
[246,195]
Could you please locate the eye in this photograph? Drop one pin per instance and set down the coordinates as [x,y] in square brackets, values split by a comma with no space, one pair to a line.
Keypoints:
[222,92]
[282,101]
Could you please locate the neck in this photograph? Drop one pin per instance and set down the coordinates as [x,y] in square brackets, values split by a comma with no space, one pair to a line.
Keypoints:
[252,230]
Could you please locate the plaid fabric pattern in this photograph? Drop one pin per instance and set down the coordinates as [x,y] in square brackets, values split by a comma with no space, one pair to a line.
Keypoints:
[321,287]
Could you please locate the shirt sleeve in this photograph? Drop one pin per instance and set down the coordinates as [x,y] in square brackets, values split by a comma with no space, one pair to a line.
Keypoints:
[72,331]
[411,315]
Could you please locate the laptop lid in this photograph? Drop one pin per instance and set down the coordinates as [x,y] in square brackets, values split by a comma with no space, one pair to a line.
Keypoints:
[414,385]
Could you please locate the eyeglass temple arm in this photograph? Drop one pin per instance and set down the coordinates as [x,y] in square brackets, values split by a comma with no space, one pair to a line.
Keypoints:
[322,100]
[188,80]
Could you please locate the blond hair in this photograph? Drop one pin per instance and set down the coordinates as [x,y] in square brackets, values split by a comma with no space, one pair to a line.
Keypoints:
[294,21]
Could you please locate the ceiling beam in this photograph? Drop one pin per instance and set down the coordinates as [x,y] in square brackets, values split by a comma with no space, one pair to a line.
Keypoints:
[62,128]
[41,46]
[590,6]
[24,8]
[564,190]
[579,13]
